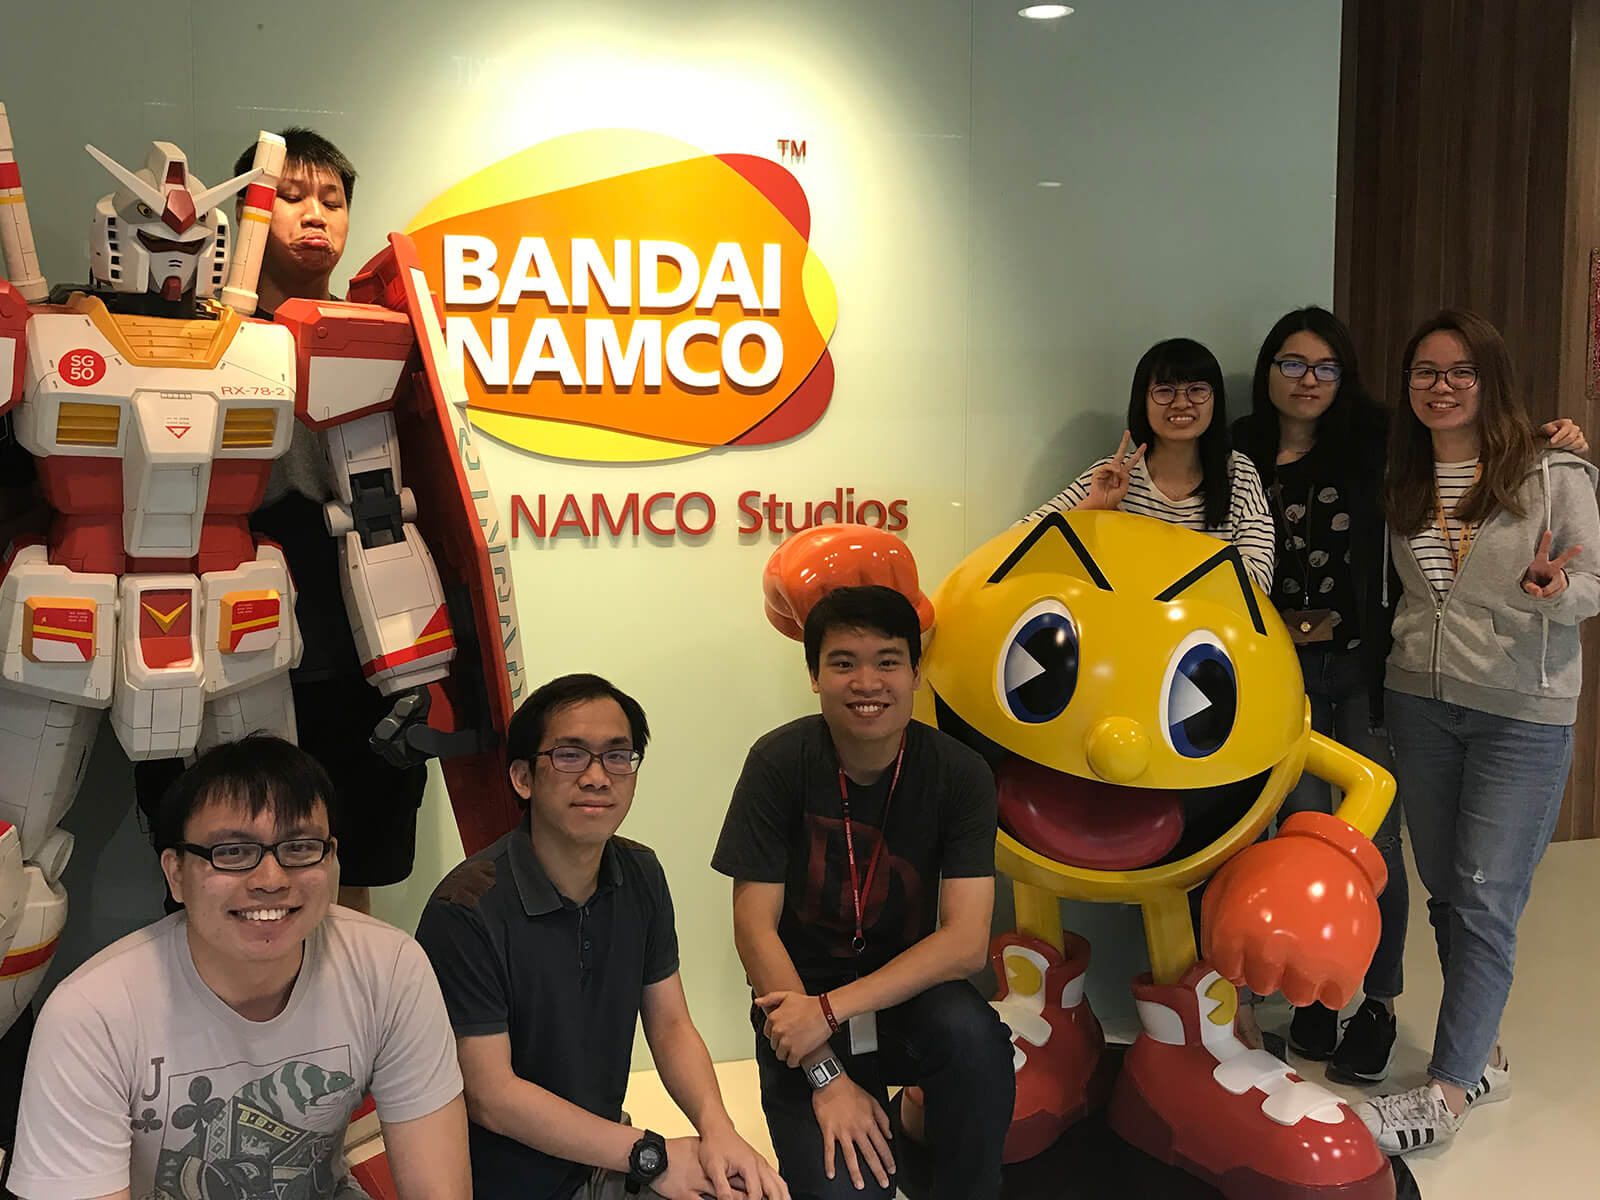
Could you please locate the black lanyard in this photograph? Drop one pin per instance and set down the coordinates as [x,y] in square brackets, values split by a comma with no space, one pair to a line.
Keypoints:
[858,894]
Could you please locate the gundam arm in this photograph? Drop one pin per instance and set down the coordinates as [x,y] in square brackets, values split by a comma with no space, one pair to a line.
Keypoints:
[351,360]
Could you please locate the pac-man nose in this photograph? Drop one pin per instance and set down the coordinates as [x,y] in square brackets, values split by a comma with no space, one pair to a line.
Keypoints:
[1118,750]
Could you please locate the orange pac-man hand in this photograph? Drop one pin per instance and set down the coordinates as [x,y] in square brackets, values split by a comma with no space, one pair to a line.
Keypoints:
[1298,913]
[813,562]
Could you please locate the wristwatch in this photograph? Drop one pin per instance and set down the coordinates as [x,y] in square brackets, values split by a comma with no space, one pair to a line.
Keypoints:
[646,1161]
[823,1073]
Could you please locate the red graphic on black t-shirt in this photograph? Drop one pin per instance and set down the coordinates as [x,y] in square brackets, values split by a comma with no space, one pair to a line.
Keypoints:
[892,912]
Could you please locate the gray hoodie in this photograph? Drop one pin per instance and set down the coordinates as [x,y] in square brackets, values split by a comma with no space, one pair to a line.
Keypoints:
[1489,645]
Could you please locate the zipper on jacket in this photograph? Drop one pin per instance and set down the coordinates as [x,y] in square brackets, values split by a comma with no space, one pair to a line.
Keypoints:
[1439,605]
[1433,658]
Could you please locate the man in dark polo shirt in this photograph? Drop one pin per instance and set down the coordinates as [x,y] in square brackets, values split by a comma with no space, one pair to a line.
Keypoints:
[861,845]
[549,946]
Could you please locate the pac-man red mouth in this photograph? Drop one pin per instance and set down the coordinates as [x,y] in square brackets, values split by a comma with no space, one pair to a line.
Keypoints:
[1085,822]
[1075,821]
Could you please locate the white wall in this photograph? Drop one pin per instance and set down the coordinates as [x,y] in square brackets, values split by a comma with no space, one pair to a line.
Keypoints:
[987,325]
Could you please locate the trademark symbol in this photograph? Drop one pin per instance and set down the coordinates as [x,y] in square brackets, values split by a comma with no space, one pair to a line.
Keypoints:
[792,150]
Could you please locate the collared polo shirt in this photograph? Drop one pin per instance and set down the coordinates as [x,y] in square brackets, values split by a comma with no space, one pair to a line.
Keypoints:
[563,980]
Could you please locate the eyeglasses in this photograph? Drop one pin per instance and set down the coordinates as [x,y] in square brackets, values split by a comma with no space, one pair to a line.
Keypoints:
[1293,368]
[1457,379]
[574,760]
[1197,393]
[291,853]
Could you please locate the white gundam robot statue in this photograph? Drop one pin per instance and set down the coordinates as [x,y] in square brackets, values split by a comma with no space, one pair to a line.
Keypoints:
[154,413]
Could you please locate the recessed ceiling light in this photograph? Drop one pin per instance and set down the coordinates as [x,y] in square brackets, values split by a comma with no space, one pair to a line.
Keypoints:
[1044,12]
[1049,183]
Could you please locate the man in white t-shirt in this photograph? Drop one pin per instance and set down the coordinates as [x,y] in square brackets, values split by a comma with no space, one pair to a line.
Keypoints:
[221,1051]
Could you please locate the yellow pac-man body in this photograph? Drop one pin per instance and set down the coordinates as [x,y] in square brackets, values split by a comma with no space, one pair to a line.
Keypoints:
[1117,660]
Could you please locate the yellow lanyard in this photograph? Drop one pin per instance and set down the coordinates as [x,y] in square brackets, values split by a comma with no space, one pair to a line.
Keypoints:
[1456,556]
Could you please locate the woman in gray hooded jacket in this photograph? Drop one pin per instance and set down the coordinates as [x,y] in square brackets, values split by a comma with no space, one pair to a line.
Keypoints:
[1496,542]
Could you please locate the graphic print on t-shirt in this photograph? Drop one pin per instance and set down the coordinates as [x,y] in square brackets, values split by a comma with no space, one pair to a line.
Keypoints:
[246,1131]
[827,902]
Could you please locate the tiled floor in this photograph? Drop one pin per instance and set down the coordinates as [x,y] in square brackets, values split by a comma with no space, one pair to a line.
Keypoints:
[1542,1143]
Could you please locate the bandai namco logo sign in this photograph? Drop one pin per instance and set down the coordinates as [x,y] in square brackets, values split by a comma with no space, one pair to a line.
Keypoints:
[617,296]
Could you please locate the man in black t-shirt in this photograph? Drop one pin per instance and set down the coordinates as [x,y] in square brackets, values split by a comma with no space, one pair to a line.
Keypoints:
[861,845]
[550,945]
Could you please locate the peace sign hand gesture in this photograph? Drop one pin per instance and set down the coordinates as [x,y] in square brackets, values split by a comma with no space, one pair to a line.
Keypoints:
[1109,483]
[1545,576]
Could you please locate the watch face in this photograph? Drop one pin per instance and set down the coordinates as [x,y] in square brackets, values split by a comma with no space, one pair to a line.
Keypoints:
[651,1160]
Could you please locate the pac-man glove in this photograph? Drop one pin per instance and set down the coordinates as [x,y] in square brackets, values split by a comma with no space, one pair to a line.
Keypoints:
[1298,913]
[815,561]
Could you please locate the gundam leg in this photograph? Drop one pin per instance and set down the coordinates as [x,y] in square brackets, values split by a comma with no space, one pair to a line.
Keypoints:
[266,707]
[44,746]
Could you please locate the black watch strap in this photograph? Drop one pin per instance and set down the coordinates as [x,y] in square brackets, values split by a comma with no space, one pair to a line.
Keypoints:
[647,1161]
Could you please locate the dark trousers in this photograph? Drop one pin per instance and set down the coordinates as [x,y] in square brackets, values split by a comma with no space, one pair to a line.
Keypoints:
[949,1042]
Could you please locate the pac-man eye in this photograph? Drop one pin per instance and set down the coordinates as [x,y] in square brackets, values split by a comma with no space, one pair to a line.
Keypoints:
[1199,697]
[1038,668]
[145,211]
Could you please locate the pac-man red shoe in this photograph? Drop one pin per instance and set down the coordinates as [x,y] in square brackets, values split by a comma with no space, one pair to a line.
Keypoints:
[1192,1094]
[1057,1046]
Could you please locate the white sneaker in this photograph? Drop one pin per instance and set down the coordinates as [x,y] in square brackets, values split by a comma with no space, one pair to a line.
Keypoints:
[1495,1085]
[1407,1121]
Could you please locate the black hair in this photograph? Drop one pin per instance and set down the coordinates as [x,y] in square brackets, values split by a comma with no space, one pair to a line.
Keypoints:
[528,723]
[259,773]
[308,148]
[1351,429]
[874,608]
[1184,360]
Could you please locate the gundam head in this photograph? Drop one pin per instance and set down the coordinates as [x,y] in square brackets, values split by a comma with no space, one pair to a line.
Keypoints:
[161,230]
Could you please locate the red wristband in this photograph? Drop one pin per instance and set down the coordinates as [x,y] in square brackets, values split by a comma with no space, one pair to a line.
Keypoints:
[827,1013]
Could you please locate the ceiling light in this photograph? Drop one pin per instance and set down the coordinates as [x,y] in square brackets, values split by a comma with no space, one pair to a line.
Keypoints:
[1049,183]
[1044,12]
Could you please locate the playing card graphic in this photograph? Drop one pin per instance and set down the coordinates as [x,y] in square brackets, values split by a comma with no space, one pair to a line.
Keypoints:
[246,1131]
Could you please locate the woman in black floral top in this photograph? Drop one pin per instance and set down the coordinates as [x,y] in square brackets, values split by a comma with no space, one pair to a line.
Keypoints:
[1318,441]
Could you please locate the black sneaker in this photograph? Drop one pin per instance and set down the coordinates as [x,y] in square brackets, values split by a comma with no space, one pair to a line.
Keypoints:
[1367,1048]
[1314,1032]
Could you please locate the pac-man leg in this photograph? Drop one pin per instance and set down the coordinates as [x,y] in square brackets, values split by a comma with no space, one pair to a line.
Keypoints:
[1169,935]
[1192,1094]
[1038,914]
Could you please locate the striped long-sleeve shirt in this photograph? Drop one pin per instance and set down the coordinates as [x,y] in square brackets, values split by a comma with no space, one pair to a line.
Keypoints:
[1433,552]
[1248,526]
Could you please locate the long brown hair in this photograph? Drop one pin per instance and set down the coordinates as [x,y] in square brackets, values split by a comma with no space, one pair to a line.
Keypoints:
[1507,440]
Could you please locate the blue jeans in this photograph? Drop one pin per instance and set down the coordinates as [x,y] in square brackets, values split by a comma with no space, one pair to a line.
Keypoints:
[1341,709]
[1482,794]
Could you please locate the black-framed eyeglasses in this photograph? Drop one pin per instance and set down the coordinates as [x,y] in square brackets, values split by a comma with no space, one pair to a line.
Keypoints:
[574,760]
[291,853]
[1457,379]
[1197,393]
[1293,368]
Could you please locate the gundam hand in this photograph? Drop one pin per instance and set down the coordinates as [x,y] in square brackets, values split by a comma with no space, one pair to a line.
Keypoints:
[390,737]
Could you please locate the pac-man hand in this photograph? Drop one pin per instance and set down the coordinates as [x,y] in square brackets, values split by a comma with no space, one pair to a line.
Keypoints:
[813,562]
[1298,913]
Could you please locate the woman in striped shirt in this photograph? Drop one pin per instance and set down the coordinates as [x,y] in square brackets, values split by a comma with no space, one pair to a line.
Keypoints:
[1494,537]
[1178,412]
